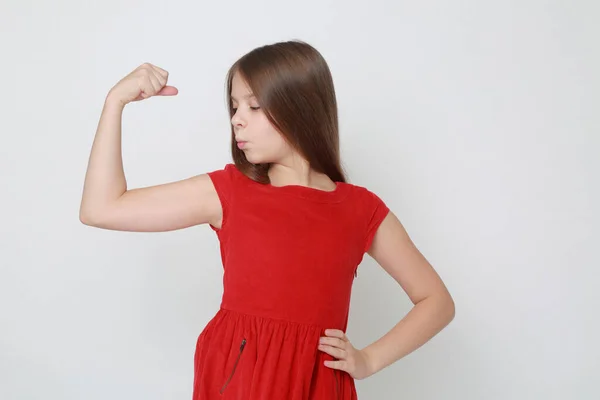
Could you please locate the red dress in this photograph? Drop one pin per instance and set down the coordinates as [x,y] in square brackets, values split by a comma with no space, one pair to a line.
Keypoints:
[290,256]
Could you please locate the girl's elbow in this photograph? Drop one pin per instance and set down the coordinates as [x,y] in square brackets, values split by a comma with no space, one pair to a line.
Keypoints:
[449,308]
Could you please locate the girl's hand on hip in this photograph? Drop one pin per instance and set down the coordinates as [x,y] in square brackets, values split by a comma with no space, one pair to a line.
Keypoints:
[349,359]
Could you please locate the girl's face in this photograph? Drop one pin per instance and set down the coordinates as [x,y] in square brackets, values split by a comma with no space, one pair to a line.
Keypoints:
[256,137]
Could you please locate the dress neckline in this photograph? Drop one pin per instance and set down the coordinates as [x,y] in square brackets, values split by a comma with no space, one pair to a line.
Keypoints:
[305,192]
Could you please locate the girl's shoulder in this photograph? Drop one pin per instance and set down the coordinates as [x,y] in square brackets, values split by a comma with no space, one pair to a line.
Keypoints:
[363,194]
[368,208]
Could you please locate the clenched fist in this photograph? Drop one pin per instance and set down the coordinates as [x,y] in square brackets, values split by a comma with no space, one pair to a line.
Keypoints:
[145,81]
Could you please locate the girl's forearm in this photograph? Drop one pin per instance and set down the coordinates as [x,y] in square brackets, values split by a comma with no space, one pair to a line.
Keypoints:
[424,321]
[105,178]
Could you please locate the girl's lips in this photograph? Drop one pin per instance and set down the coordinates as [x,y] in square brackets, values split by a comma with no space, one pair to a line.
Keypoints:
[241,144]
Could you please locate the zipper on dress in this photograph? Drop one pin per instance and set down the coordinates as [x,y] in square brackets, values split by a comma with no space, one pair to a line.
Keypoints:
[242,345]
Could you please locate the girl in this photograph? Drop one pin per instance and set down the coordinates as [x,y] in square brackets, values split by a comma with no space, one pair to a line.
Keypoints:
[292,233]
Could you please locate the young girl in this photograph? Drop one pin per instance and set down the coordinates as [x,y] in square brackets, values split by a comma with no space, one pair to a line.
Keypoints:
[292,233]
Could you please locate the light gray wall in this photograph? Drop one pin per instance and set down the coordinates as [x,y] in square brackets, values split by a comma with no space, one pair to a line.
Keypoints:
[476,121]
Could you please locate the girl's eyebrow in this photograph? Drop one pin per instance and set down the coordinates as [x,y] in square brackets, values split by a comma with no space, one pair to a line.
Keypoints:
[244,96]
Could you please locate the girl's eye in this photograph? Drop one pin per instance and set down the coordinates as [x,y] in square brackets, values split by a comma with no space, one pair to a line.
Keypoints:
[234,109]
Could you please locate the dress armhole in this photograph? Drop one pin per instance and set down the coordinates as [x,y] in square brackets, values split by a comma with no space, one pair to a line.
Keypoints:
[378,210]
[222,180]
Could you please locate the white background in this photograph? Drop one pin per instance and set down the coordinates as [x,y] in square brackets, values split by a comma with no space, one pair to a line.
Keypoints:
[476,121]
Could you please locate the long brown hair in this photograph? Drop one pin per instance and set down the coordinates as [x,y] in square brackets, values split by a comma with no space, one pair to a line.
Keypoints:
[293,85]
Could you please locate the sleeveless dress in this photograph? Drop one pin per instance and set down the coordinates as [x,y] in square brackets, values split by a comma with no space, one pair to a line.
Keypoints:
[290,255]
